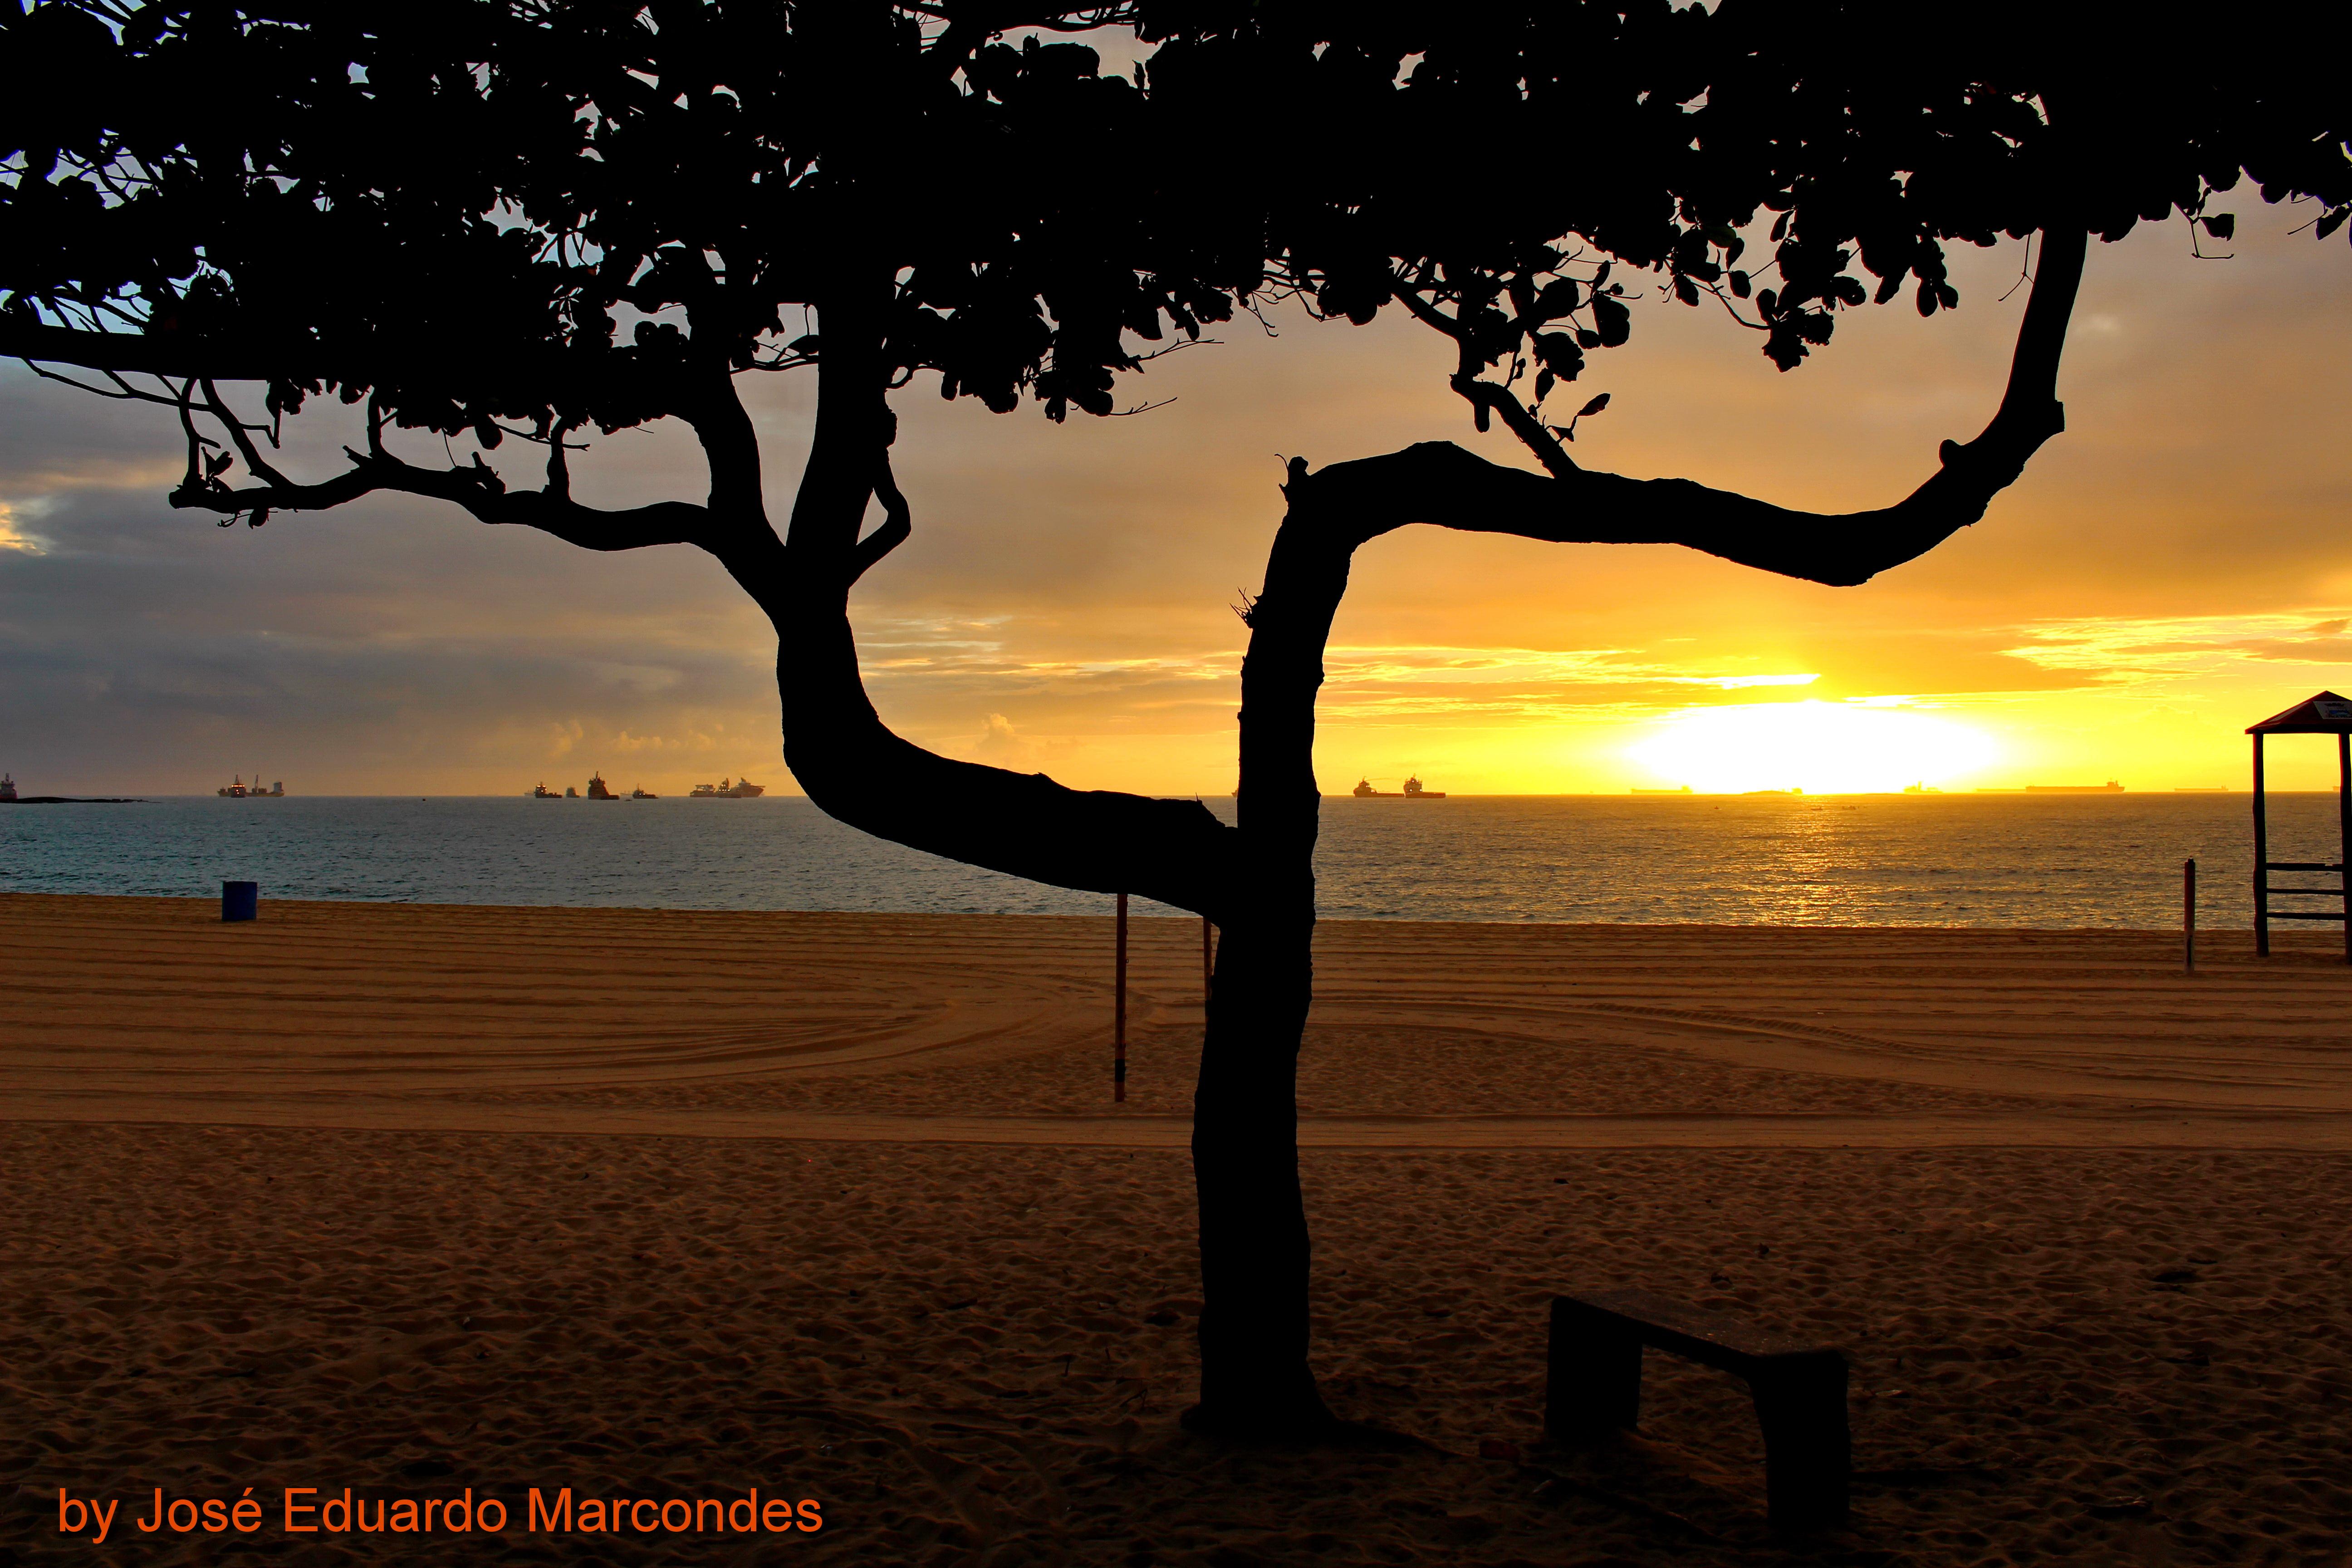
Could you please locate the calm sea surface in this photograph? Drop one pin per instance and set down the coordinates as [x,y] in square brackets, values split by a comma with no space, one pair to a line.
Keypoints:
[1959,859]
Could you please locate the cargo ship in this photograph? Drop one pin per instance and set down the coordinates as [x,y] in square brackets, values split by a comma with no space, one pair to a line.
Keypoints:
[240,790]
[742,789]
[1413,791]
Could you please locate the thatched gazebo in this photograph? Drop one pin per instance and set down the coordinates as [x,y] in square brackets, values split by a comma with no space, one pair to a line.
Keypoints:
[2326,714]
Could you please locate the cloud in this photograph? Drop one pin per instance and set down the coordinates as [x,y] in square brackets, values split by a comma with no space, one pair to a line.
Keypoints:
[371,651]
[2123,650]
[13,516]
[1457,685]
[999,745]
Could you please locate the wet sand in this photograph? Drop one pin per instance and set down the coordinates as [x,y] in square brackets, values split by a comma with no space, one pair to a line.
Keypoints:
[659,1204]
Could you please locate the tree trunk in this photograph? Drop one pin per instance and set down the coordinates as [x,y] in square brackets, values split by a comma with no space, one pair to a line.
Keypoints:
[1254,1256]
[1257,883]
[1254,1380]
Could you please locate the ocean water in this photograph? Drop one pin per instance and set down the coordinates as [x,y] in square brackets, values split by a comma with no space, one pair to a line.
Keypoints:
[1957,859]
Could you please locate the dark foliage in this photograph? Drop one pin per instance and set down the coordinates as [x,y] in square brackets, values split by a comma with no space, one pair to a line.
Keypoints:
[545,212]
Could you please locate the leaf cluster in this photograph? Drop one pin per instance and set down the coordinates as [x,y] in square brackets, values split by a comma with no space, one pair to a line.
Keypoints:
[1507,172]
[489,215]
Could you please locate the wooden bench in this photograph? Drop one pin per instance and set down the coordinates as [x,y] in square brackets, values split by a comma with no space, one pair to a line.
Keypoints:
[1593,1388]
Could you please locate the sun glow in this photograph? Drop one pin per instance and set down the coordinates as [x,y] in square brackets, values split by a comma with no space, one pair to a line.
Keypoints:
[1821,748]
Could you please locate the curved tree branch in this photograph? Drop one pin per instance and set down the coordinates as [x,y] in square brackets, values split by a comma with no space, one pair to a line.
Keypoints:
[1485,395]
[851,764]
[622,371]
[1244,1131]
[1438,482]
[123,391]
[242,434]
[1519,420]
[897,524]
[739,533]
[478,489]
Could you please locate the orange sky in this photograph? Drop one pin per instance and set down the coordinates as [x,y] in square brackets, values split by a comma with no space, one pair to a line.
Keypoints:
[2172,568]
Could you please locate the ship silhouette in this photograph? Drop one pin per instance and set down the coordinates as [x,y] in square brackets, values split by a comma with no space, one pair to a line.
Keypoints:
[1413,791]
[239,790]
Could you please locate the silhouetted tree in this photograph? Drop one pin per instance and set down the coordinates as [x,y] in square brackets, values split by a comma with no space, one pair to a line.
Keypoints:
[526,219]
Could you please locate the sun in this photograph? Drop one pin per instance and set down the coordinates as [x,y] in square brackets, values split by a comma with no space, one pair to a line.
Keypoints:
[1821,748]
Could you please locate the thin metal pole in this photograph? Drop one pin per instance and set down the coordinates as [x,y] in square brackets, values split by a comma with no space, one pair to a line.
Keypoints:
[2261,862]
[2189,917]
[1209,962]
[2344,832]
[1118,1025]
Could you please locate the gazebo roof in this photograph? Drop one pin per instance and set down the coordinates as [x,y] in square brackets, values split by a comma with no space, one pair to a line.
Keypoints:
[2324,714]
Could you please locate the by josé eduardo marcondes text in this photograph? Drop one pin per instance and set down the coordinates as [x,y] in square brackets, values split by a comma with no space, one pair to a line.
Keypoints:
[318,1511]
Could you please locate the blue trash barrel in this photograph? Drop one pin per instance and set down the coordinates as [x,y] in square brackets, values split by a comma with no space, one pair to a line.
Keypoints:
[240,901]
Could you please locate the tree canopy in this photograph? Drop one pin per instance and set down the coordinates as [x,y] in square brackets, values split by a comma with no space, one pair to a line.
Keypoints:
[552,214]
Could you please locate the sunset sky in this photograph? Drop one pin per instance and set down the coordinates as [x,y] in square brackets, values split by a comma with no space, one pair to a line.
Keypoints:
[2174,567]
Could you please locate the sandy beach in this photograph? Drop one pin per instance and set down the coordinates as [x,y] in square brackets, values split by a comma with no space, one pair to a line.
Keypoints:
[652,1205]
